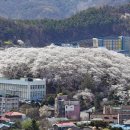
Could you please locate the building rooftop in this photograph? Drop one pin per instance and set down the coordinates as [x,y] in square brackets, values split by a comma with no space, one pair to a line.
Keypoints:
[22,81]
[124,127]
[13,114]
[97,119]
[127,122]
[54,120]
[3,125]
[4,119]
[65,124]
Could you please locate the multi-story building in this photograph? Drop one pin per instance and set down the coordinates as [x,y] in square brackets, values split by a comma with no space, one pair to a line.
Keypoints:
[25,88]
[113,118]
[8,103]
[120,44]
[123,112]
[59,105]
[72,109]
[67,108]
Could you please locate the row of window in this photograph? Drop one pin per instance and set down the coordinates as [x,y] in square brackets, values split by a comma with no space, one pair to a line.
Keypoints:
[37,86]
[8,104]
[37,94]
[115,118]
[12,85]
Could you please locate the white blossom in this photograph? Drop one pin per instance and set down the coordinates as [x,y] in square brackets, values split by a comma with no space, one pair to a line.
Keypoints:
[70,63]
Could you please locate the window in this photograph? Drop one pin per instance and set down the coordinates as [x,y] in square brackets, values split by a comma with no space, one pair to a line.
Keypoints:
[106,117]
[31,87]
[114,118]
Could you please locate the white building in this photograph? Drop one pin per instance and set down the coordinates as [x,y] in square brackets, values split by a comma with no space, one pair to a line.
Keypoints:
[25,88]
[70,45]
[8,103]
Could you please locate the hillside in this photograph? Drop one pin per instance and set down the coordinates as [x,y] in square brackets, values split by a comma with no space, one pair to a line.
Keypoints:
[109,70]
[93,22]
[56,9]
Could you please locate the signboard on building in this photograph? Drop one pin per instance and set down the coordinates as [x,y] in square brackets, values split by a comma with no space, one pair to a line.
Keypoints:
[69,107]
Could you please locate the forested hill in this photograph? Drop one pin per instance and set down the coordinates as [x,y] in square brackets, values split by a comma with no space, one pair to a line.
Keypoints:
[93,22]
[56,9]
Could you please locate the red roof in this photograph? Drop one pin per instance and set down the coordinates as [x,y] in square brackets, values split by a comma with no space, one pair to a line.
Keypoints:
[4,119]
[13,114]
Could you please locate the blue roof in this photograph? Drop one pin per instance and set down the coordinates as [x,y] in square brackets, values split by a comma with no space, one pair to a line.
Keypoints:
[4,125]
[124,127]
[1,125]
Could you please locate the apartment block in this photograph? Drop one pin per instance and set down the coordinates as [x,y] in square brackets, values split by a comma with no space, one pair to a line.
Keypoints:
[25,88]
[8,103]
[119,44]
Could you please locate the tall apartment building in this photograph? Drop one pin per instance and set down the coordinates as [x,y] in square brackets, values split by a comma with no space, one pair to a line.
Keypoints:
[8,103]
[67,108]
[120,44]
[59,105]
[25,88]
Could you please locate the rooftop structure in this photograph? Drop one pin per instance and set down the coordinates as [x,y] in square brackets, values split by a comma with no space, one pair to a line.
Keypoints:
[25,88]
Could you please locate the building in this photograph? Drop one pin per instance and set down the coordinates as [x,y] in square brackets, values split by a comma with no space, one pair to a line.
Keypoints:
[72,109]
[69,45]
[8,103]
[4,126]
[73,45]
[124,127]
[120,44]
[110,118]
[123,112]
[54,120]
[67,108]
[111,110]
[15,116]
[59,105]
[5,123]
[25,88]
[65,126]
[3,119]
